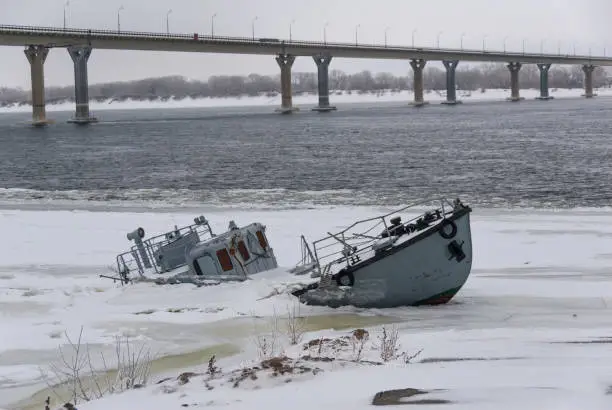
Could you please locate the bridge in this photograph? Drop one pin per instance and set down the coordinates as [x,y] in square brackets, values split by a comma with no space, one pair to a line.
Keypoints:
[80,42]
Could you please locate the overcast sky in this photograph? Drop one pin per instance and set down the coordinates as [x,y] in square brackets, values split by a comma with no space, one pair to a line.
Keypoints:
[584,23]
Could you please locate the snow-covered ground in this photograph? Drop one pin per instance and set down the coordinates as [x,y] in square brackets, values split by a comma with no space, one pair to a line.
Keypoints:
[530,330]
[337,98]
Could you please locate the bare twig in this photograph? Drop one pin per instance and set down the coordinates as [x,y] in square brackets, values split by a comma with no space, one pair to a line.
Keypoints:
[76,372]
[212,369]
[296,324]
[409,358]
[389,343]
[267,344]
[320,346]
[99,393]
[359,338]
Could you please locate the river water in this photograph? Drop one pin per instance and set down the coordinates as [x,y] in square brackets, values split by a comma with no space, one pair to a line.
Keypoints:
[497,154]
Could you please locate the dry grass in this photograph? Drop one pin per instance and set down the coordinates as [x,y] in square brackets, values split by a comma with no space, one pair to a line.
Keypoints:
[76,374]
[359,338]
[388,343]
[212,368]
[268,344]
[295,326]
[273,367]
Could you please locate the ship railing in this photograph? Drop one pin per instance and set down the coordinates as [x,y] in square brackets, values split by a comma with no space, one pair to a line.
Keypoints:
[354,243]
[142,259]
[307,262]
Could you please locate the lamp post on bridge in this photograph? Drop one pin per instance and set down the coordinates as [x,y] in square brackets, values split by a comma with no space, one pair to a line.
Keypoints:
[559,47]
[438,39]
[253,26]
[484,43]
[462,35]
[168,21]
[325,32]
[356,34]
[413,33]
[65,7]
[505,39]
[524,41]
[119,17]
[386,29]
[212,24]
[542,47]
[290,30]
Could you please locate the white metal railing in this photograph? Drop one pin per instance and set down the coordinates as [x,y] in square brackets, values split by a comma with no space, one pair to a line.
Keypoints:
[230,40]
[354,243]
[134,261]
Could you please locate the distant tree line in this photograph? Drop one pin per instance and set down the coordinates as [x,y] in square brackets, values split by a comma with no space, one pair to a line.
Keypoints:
[468,78]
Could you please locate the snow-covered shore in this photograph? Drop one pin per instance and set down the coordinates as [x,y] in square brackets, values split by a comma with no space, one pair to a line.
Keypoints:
[337,98]
[529,330]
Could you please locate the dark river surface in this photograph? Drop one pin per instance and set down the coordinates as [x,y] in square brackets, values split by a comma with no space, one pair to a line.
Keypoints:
[496,154]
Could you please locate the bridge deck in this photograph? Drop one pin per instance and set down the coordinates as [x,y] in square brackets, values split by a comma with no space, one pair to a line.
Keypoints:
[126,40]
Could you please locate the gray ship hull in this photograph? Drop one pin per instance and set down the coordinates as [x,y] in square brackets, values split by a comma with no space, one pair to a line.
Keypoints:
[427,268]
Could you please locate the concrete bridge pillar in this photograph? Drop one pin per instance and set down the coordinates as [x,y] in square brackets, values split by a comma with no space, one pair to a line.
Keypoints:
[544,94]
[515,68]
[80,56]
[417,66]
[322,62]
[285,62]
[588,80]
[451,85]
[36,56]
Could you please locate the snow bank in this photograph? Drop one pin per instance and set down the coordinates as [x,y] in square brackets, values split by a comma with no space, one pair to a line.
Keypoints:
[336,97]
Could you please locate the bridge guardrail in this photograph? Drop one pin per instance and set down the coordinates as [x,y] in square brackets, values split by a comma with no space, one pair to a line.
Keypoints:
[136,35]
[128,34]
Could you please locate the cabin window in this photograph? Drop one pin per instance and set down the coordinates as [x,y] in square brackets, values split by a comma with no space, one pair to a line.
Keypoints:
[205,265]
[224,260]
[244,253]
[262,240]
